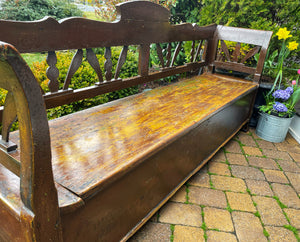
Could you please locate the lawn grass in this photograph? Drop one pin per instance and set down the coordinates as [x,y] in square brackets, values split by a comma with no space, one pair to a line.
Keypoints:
[30,58]
[91,15]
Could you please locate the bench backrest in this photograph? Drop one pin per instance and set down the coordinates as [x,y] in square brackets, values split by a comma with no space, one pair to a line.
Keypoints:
[139,23]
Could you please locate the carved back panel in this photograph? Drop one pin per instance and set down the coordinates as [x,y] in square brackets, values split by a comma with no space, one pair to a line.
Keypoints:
[234,48]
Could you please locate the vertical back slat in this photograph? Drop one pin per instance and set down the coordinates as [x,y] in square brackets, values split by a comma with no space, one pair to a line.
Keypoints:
[169,53]
[225,50]
[93,61]
[121,61]
[160,55]
[236,52]
[192,51]
[198,51]
[177,50]
[144,52]
[108,64]
[52,72]
[76,62]
[9,117]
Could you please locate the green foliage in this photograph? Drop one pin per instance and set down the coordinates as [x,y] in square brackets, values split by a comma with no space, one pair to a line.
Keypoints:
[260,14]
[29,10]
[84,77]
[110,5]
[186,11]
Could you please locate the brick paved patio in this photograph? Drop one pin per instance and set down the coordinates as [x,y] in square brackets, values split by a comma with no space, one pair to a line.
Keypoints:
[249,191]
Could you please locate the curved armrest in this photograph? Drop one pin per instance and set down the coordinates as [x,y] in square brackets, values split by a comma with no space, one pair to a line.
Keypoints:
[37,188]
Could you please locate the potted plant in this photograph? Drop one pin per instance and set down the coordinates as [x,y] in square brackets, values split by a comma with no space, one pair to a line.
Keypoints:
[276,115]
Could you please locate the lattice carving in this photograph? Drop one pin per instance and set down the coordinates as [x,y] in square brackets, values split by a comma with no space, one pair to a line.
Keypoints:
[52,72]
[236,56]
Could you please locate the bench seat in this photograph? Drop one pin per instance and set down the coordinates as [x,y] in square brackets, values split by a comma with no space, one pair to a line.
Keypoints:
[98,146]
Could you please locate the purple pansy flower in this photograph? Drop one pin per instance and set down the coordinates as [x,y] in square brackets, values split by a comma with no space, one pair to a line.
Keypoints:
[290,90]
[280,107]
[281,94]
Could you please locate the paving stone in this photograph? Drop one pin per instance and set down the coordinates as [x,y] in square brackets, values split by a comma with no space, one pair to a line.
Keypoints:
[259,187]
[288,165]
[239,201]
[236,159]
[207,197]
[219,168]
[265,144]
[295,156]
[261,162]
[247,140]
[271,213]
[294,179]
[252,151]
[180,195]
[216,218]
[254,135]
[187,234]
[248,227]
[219,156]
[286,195]
[276,154]
[216,236]
[179,213]
[200,179]
[247,172]
[228,183]
[152,232]
[233,147]
[275,176]
[294,216]
[284,146]
[280,234]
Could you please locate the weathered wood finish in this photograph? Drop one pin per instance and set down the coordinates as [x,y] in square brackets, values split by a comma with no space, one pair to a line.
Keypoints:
[130,143]
[114,165]
[37,191]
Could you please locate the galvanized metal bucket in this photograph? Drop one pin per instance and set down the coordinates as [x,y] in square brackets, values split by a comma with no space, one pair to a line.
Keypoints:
[272,128]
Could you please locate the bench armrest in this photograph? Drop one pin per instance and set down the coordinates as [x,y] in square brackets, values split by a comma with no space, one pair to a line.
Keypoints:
[233,61]
[37,189]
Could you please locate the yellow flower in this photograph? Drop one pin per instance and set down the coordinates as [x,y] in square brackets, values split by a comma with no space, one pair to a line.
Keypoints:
[283,33]
[293,45]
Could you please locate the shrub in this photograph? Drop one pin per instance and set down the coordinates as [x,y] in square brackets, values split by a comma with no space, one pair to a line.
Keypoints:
[29,10]
[85,76]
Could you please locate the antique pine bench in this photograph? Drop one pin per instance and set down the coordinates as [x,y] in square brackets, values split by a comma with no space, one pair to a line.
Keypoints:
[101,173]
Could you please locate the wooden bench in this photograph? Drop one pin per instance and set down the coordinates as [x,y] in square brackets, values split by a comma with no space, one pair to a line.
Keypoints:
[109,168]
